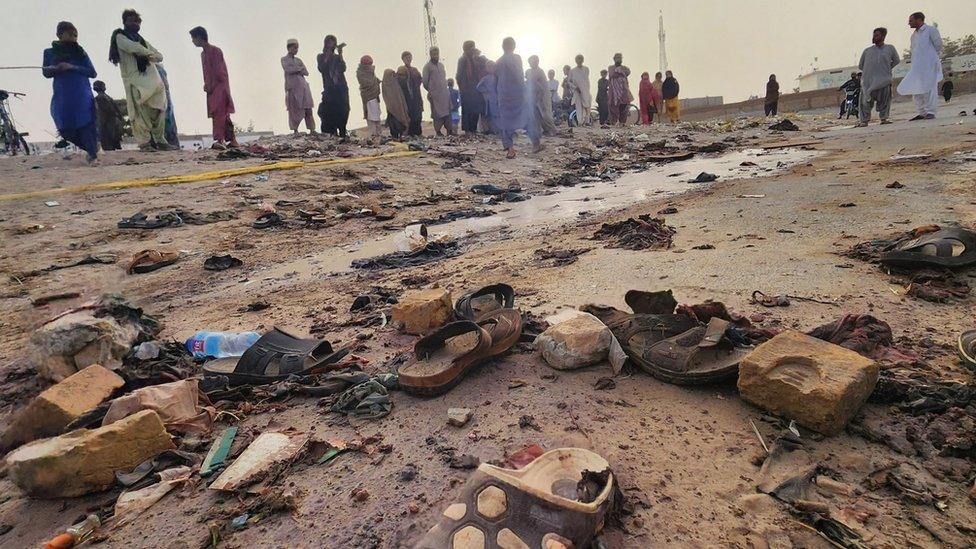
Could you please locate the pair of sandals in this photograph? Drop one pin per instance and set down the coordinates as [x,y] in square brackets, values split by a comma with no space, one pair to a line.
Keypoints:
[947,248]
[560,499]
[276,355]
[675,348]
[487,326]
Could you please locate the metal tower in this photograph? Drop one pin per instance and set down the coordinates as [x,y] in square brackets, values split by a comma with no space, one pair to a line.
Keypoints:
[663,59]
[431,24]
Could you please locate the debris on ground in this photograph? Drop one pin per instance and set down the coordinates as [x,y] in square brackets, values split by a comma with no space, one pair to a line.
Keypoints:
[458,417]
[641,233]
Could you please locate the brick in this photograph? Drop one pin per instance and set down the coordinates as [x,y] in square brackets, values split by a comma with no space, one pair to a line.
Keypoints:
[423,311]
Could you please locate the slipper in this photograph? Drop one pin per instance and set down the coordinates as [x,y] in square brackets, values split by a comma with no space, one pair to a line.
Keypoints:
[221,262]
[275,356]
[560,499]
[967,349]
[699,355]
[139,220]
[148,261]
[442,358]
[505,328]
[760,298]
[954,247]
[267,220]
[472,305]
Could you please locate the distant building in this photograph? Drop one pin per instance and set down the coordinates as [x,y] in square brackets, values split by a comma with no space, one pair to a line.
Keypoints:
[835,78]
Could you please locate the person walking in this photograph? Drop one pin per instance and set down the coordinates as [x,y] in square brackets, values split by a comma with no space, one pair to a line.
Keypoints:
[369,91]
[334,108]
[145,91]
[434,78]
[470,71]
[876,64]
[619,90]
[538,98]
[670,90]
[488,87]
[771,105]
[72,104]
[216,82]
[512,104]
[579,77]
[298,95]
[110,119]
[922,80]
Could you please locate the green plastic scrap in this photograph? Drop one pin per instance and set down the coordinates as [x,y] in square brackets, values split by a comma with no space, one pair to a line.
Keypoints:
[218,452]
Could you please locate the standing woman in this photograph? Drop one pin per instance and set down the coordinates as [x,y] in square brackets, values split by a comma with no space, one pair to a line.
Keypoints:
[397,115]
[298,96]
[369,91]
[72,105]
[334,109]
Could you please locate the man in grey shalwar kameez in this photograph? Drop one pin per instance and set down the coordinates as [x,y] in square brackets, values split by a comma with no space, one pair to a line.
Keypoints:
[539,99]
[435,82]
[512,107]
[876,64]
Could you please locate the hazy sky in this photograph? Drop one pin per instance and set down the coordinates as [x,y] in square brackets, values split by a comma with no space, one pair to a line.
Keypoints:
[715,47]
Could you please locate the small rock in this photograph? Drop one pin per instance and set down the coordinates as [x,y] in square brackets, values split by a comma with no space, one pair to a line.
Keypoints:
[458,417]
[413,507]
[408,473]
[464,461]
[359,494]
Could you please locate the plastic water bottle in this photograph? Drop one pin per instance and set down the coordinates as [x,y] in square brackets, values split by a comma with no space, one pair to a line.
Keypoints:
[220,344]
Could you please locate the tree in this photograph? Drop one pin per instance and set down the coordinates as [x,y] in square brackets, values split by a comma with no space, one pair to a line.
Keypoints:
[950,47]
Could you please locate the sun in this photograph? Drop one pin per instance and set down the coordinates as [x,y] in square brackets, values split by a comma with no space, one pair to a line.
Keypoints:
[529,44]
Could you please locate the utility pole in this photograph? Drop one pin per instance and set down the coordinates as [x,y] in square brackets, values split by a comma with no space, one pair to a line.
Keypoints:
[663,60]
[430,27]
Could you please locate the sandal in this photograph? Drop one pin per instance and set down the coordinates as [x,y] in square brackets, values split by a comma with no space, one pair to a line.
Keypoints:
[560,499]
[267,220]
[697,356]
[955,247]
[221,262]
[442,358]
[760,298]
[505,328]
[275,356]
[967,349]
[139,220]
[148,261]
[473,305]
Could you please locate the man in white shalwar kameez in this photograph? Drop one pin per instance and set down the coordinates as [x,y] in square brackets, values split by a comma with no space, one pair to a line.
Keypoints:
[579,77]
[922,80]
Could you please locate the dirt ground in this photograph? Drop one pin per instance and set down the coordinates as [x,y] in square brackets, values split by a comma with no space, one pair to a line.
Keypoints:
[686,458]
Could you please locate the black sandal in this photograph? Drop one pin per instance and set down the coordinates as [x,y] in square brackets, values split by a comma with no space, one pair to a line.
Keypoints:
[504,299]
[955,247]
[275,356]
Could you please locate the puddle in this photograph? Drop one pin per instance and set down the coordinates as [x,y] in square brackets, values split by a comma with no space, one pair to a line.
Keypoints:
[563,206]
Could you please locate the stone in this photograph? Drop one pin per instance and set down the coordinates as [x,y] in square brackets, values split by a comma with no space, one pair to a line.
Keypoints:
[458,417]
[85,461]
[816,383]
[575,343]
[57,406]
[423,311]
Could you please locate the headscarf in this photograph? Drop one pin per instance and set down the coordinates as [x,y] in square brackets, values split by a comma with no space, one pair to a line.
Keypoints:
[142,62]
[396,104]
[67,51]
[369,84]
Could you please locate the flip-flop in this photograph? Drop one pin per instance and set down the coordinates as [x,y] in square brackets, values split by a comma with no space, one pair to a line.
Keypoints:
[698,356]
[954,247]
[967,349]
[472,305]
[267,220]
[537,506]
[442,358]
[275,356]
[148,261]
[221,262]
[505,328]
[139,220]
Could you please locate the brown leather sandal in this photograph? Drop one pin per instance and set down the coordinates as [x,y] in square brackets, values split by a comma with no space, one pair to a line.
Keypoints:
[442,358]
[147,261]
[542,505]
[505,328]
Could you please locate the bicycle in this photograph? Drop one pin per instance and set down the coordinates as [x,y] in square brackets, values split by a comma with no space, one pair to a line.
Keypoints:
[11,139]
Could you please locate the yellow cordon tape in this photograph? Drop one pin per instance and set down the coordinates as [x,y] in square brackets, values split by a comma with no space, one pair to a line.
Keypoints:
[206,176]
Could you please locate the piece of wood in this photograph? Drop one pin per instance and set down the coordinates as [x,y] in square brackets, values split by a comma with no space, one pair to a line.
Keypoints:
[786,144]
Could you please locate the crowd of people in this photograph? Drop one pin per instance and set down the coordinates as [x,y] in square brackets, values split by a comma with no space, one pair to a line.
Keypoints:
[500,97]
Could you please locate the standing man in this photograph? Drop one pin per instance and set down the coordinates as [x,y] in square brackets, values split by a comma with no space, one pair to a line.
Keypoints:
[216,83]
[876,64]
[922,80]
[145,92]
[470,71]
[658,85]
[298,94]
[334,108]
[369,91]
[410,80]
[72,105]
[619,90]
[512,105]
[553,87]
[771,105]
[567,102]
[435,82]
[579,76]
[947,88]
[110,121]
[488,87]
[539,99]
[602,98]
[669,91]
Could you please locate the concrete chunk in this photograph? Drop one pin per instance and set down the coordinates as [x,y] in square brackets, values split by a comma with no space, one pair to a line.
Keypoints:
[816,383]
[52,410]
[85,461]
[420,312]
[581,341]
